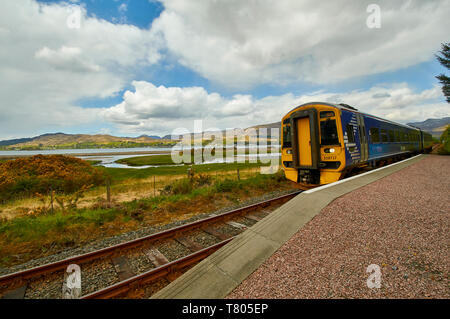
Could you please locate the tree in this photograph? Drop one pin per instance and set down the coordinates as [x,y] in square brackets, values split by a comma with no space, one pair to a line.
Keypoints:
[445,61]
[445,141]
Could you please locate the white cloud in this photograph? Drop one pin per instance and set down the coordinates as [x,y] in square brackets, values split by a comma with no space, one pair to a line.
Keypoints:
[244,43]
[122,8]
[151,108]
[161,109]
[66,58]
[46,67]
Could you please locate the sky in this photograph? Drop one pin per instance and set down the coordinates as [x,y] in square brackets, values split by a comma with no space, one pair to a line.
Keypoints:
[133,67]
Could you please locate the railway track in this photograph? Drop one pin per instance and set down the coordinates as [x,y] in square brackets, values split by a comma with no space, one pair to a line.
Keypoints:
[140,267]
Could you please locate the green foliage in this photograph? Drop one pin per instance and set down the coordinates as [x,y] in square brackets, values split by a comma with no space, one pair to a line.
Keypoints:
[40,174]
[227,185]
[165,159]
[182,186]
[445,141]
[38,227]
[202,180]
[119,174]
[35,227]
[187,185]
[89,145]
[445,61]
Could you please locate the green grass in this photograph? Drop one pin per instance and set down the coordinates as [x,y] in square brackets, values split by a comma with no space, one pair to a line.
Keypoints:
[93,162]
[35,228]
[31,228]
[184,189]
[166,159]
[119,174]
[445,140]
[147,160]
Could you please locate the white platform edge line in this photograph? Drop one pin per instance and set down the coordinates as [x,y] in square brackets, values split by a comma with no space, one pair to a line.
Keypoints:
[357,176]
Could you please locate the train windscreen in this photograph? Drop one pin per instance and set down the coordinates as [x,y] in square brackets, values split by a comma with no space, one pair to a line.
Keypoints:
[328,133]
[287,136]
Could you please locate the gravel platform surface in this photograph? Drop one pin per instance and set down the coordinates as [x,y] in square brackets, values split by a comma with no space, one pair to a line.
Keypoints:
[400,223]
[107,242]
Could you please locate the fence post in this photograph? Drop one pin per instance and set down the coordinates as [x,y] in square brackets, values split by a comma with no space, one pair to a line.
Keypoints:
[190,173]
[108,190]
[51,198]
[154,186]
[238,176]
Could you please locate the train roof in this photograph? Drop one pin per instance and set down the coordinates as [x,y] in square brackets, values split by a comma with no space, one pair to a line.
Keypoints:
[352,109]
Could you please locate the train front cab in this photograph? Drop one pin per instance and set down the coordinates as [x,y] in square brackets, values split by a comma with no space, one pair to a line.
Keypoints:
[312,140]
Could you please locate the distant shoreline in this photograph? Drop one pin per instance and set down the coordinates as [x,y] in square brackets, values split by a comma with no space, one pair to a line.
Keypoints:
[94,154]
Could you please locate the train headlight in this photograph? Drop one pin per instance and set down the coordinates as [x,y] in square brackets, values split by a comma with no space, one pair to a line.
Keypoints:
[289,152]
[329,150]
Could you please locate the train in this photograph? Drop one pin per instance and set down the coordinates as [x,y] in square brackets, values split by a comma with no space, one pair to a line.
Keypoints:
[322,142]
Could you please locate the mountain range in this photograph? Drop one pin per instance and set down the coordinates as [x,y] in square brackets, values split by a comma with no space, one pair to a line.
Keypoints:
[433,126]
[62,140]
[58,140]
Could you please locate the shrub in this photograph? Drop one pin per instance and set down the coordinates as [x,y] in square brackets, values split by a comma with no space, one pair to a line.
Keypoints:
[445,140]
[227,185]
[182,186]
[201,180]
[38,174]
[187,185]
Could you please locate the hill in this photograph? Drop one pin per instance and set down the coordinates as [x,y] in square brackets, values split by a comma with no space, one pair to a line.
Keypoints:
[433,126]
[62,140]
[62,174]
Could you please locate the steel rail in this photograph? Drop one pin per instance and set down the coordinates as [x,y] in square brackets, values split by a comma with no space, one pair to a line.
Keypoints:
[156,273]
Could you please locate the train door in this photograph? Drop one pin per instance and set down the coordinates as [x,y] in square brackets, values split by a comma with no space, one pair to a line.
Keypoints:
[304,141]
[363,138]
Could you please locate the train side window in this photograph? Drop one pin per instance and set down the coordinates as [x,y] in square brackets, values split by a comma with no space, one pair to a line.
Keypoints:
[374,135]
[405,137]
[287,136]
[328,132]
[397,136]
[384,137]
[391,136]
[350,133]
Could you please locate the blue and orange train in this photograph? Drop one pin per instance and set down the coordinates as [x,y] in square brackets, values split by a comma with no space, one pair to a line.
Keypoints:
[322,142]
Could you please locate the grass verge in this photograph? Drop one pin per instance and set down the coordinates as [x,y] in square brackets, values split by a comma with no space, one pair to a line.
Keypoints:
[29,237]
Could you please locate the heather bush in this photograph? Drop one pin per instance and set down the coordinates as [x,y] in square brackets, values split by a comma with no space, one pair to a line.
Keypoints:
[39,174]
